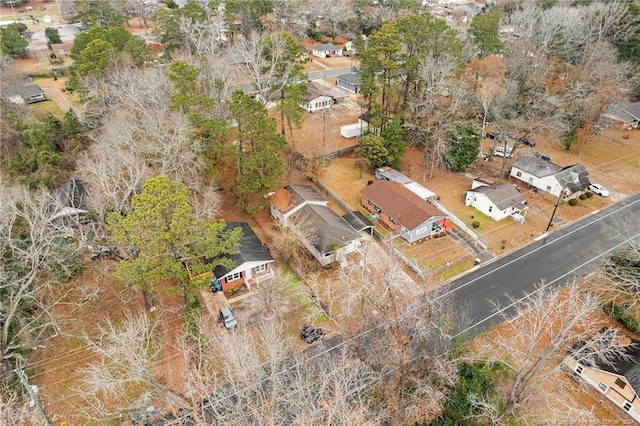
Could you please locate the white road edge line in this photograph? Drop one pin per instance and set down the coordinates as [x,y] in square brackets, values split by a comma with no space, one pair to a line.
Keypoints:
[539,248]
[545,286]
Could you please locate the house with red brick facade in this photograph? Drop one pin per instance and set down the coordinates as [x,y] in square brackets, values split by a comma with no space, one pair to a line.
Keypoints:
[253,263]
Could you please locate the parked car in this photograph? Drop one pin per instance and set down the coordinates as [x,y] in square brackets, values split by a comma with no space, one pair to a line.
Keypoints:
[227,317]
[527,141]
[499,151]
[599,189]
[490,135]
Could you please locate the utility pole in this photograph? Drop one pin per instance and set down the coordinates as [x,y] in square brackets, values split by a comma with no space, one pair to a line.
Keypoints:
[33,393]
[556,207]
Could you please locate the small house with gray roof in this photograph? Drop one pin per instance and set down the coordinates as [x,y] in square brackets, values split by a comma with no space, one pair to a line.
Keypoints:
[349,82]
[253,262]
[322,231]
[326,50]
[624,114]
[618,380]
[498,201]
[25,94]
[549,177]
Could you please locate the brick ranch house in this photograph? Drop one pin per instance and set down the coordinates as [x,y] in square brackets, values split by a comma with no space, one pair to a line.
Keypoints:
[403,212]
[253,263]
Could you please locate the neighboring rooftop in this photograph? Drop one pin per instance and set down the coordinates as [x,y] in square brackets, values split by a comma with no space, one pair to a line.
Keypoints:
[290,196]
[324,228]
[502,195]
[401,203]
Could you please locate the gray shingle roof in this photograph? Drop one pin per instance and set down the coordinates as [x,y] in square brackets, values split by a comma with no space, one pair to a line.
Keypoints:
[25,90]
[324,228]
[352,77]
[536,166]
[291,196]
[250,249]
[325,47]
[623,111]
[503,196]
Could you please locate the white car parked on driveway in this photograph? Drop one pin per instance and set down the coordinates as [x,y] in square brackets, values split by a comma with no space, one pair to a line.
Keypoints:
[599,189]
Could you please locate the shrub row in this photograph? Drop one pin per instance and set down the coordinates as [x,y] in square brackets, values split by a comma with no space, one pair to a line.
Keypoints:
[620,314]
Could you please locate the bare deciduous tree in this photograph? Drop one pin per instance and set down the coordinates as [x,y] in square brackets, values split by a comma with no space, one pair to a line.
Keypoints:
[538,333]
[38,253]
[124,376]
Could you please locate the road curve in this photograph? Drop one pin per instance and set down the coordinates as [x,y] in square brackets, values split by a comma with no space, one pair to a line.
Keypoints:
[569,253]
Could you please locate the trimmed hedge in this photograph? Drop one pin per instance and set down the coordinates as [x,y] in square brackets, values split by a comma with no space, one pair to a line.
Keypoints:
[620,314]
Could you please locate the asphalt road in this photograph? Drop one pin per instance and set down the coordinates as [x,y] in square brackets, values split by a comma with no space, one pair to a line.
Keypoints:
[564,255]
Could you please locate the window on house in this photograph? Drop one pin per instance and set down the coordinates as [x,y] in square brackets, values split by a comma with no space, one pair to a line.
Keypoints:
[260,268]
[548,188]
[378,209]
[579,369]
[392,220]
[519,174]
[627,407]
[602,387]
[234,277]
[620,383]
[490,209]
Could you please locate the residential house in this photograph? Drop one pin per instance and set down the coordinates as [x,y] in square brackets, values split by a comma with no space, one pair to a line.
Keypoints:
[402,211]
[326,50]
[316,99]
[253,263]
[304,54]
[497,201]
[387,173]
[322,231]
[625,115]
[62,49]
[349,82]
[25,94]
[350,47]
[618,381]
[549,177]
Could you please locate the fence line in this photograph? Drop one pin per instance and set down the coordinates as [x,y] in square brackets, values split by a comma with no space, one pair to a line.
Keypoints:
[463,226]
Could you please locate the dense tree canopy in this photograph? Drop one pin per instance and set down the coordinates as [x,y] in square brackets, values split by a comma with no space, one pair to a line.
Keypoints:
[167,241]
[484,32]
[464,147]
[12,43]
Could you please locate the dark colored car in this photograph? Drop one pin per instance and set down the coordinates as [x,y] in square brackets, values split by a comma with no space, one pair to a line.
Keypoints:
[526,141]
[490,135]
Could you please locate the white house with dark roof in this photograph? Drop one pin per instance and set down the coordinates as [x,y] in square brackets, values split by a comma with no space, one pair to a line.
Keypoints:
[549,177]
[498,201]
[326,50]
[619,380]
[25,94]
[253,263]
[323,232]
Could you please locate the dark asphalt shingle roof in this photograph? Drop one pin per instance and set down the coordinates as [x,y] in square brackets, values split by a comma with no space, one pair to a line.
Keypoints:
[324,228]
[357,220]
[623,111]
[629,368]
[250,249]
